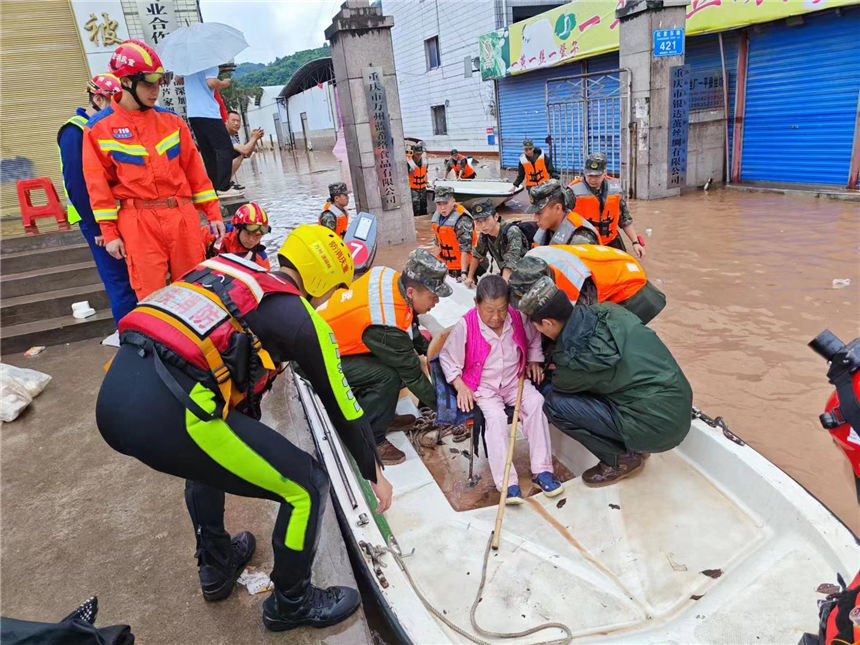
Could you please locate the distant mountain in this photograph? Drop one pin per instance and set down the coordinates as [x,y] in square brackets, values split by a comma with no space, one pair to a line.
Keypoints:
[245,68]
[248,75]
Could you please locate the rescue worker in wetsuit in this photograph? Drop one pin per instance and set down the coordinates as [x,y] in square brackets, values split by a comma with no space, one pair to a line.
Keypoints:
[452,164]
[143,156]
[505,243]
[183,396]
[588,274]
[335,214]
[534,167]
[70,140]
[416,166]
[375,323]
[616,388]
[455,233]
[248,226]
[600,200]
[557,223]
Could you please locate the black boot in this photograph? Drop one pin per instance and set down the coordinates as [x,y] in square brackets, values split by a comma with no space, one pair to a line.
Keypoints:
[216,577]
[314,607]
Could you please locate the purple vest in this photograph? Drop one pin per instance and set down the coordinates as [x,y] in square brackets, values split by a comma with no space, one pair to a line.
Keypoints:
[477,349]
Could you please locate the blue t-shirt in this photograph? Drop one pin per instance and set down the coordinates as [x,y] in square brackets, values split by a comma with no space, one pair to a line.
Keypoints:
[199,97]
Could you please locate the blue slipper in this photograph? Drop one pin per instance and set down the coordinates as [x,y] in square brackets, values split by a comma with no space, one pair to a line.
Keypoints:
[548,483]
[515,496]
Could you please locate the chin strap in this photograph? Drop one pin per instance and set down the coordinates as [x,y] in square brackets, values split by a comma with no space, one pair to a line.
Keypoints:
[133,92]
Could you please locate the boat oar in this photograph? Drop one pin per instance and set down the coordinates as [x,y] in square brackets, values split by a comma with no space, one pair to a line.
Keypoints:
[497,531]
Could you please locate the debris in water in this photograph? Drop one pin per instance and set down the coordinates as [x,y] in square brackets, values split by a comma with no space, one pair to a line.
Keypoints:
[696,596]
[561,502]
[676,566]
[615,506]
[648,231]
[454,450]
[35,350]
[712,573]
[841,283]
[465,453]
[523,615]
[828,588]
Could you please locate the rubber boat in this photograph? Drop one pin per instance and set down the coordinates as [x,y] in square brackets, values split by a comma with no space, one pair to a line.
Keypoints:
[469,191]
[710,543]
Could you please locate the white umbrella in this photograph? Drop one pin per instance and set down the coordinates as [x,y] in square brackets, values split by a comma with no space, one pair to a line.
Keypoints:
[200,46]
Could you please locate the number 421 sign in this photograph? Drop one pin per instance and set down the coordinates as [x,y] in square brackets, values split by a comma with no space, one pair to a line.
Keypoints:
[668,42]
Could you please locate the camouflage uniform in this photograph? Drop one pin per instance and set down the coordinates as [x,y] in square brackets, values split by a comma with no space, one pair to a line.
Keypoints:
[507,248]
[328,218]
[464,226]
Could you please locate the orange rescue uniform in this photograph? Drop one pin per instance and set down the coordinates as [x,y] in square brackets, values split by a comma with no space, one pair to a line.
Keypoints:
[341,218]
[446,238]
[231,244]
[417,175]
[536,171]
[467,171]
[373,299]
[565,231]
[147,161]
[616,274]
[588,206]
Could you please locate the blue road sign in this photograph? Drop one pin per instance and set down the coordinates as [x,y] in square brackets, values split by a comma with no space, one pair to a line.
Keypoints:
[668,42]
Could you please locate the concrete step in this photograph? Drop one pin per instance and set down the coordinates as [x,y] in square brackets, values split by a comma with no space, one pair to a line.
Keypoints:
[50,304]
[33,259]
[55,331]
[50,278]
[42,241]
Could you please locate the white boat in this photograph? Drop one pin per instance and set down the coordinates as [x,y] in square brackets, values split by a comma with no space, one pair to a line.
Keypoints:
[710,543]
[469,191]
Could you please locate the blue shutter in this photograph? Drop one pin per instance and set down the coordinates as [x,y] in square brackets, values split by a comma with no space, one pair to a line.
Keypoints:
[801,102]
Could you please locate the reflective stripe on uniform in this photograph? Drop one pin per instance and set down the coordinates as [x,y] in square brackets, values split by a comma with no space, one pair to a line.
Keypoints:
[109,145]
[205,196]
[104,214]
[381,297]
[217,439]
[169,145]
[223,267]
[568,264]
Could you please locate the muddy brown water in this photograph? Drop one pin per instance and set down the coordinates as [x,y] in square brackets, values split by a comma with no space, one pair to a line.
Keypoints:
[749,282]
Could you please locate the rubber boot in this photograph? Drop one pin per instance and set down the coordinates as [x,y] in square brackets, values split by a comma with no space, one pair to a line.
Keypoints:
[217,577]
[308,605]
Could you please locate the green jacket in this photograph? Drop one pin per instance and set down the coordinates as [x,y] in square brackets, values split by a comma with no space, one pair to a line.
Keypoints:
[604,349]
[394,348]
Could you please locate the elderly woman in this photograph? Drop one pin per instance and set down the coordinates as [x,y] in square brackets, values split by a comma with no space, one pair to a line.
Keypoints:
[483,357]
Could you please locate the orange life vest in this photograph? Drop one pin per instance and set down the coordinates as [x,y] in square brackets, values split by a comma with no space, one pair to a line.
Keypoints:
[200,318]
[616,274]
[446,238]
[417,175]
[588,206]
[231,244]
[342,222]
[569,225]
[373,299]
[466,169]
[536,171]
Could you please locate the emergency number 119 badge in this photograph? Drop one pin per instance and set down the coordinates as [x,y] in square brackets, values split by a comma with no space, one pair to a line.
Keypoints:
[121,133]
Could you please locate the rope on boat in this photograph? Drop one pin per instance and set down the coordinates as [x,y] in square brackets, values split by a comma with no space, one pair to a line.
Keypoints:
[478,597]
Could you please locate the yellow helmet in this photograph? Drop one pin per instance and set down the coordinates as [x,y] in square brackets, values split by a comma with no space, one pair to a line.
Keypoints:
[320,256]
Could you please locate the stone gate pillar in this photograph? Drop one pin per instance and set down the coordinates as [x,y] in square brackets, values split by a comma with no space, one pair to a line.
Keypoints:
[651,87]
[363,61]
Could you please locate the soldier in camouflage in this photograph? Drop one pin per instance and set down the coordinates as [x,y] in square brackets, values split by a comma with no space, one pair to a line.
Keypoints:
[505,243]
[335,214]
[451,214]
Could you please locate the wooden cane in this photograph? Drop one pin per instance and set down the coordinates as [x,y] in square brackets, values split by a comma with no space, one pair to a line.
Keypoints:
[497,531]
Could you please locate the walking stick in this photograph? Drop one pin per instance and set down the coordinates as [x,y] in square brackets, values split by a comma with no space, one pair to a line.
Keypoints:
[497,531]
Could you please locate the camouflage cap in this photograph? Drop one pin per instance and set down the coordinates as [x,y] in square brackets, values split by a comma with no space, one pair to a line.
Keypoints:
[337,188]
[454,152]
[429,271]
[528,270]
[542,193]
[540,293]
[417,148]
[528,143]
[443,194]
[483,208]
[595,164]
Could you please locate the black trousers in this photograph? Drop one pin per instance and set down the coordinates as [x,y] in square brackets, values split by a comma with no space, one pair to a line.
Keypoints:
[215,148]
[588,419]
[138,416]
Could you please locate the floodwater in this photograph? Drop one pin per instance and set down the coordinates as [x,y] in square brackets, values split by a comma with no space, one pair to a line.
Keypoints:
[749,282]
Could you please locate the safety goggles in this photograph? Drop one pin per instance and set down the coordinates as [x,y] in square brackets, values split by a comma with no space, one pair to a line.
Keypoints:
[156,78]
[257,228]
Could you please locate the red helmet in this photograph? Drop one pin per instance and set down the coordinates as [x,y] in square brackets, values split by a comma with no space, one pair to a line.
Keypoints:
[252,217]
[134,57]
[104,84]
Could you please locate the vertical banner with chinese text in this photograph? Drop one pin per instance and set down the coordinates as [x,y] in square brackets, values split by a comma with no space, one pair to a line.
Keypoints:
[101,28]
[380,133]
[158,19]
[679,125]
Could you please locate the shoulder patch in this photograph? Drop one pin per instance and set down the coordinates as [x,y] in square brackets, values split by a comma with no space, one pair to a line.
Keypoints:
[98,116]
[158,108]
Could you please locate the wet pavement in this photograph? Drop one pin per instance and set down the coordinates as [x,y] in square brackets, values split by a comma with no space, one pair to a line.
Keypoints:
[749,282]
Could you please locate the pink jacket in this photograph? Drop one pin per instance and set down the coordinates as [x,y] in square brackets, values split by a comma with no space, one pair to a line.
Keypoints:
[477,349]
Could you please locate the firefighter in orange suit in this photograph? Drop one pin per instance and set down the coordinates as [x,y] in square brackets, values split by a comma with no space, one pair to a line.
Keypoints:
[600,200]
[417,169]
[244,234]
[535,167]
[143,157]
[590,273]
[455,233]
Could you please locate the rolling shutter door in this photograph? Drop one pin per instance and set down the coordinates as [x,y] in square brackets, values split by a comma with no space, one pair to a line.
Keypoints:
[801,102]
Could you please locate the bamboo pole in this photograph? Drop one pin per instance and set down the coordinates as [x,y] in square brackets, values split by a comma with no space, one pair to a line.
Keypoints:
[497,531]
